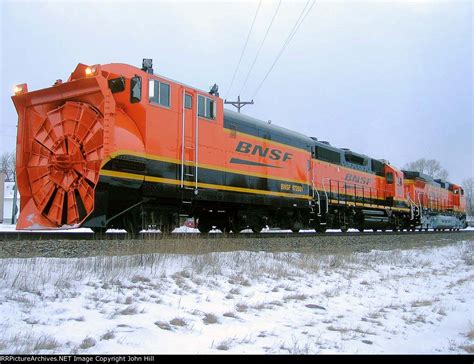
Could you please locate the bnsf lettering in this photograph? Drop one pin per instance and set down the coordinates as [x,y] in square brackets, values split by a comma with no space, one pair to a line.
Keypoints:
[274,154]
[357,179]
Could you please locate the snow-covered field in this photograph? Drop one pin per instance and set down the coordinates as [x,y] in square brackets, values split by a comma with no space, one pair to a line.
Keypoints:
[398,301]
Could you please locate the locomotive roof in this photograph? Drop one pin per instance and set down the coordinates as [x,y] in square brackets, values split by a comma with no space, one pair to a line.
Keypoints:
[250,125]
[247,122]
[233,116]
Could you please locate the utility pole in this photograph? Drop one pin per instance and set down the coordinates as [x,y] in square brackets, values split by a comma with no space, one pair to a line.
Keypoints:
[238,104]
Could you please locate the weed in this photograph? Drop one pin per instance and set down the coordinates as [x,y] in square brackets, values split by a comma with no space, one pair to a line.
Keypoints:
[231,315]
[241,307]
[177,321]
[87,343]
[108,335]
[209,318]
[46,342]
[163,325]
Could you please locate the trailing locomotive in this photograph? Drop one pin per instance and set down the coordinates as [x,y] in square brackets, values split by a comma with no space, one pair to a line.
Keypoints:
[120,147]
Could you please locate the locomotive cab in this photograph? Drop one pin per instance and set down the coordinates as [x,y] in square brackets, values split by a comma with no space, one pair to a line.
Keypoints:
[393,185]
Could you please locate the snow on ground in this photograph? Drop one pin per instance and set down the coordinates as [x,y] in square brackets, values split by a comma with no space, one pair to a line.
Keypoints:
[400,301]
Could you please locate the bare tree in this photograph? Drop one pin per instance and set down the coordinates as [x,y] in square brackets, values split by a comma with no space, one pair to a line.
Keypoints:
[431,167]
[7,165]
[468,187]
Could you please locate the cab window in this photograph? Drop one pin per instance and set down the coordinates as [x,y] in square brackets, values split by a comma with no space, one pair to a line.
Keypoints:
[206,107]
[389,178]
[135,89]
[159,93]
[188,101]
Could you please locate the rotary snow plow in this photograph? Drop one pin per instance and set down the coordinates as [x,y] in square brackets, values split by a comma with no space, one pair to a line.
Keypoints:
[60,148]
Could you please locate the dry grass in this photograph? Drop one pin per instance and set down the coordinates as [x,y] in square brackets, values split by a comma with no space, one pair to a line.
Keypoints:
[210,318]
[87,343]
[470,334]
[45,342]
[422,303]
[225,345]
[109,335]
[231,315]
[163,325]
[178,321]
[241,307]
[295,297]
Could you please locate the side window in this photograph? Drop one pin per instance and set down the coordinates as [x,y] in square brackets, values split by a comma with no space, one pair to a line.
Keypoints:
[389,178]
[153,91]
[164,94]
[201,106]
[188,101]
[399,181]
[135,89]
[206,107]
[159,93]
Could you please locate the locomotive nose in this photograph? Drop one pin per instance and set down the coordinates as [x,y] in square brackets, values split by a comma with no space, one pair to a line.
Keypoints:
[64,164]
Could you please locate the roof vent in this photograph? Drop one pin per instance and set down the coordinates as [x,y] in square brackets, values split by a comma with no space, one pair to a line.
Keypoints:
[324,142]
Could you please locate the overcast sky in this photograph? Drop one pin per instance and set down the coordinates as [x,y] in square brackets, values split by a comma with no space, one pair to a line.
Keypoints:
[392,80]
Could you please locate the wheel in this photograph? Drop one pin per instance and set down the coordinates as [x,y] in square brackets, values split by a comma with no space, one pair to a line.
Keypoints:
[225,229]
[382,230]
[235,226]
[295,230]
[256,229]
[166,229]
[344,228]
[374,230]
[204,229]
[99,231]
[131,226]
[361,229]
[320,229]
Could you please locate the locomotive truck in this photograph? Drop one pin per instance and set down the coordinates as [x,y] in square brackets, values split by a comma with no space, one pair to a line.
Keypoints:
[116,146]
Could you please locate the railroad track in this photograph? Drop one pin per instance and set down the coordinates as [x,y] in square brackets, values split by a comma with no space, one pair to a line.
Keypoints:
[72,245]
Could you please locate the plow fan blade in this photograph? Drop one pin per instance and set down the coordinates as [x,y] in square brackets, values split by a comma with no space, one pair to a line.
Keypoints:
[64,164]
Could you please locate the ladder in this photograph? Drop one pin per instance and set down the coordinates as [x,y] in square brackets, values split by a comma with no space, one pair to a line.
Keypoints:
[189,167]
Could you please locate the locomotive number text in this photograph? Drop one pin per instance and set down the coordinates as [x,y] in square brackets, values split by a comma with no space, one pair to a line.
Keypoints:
[290,187]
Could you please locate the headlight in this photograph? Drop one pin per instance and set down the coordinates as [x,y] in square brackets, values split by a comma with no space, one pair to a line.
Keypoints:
[92,70]
[20,89]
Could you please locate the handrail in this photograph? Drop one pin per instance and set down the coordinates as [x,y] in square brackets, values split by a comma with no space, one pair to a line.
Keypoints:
[325,192]
[317,192]
[420,206]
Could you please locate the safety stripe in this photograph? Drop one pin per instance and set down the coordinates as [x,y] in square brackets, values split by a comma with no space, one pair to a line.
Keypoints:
[202,185]
[201,165]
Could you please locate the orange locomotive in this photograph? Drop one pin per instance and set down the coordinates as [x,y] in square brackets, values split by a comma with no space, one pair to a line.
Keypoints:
[117,146]
[439,204]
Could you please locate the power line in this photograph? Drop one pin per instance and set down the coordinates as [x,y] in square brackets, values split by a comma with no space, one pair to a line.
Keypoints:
[288,40]
[245,46]
[260,48]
